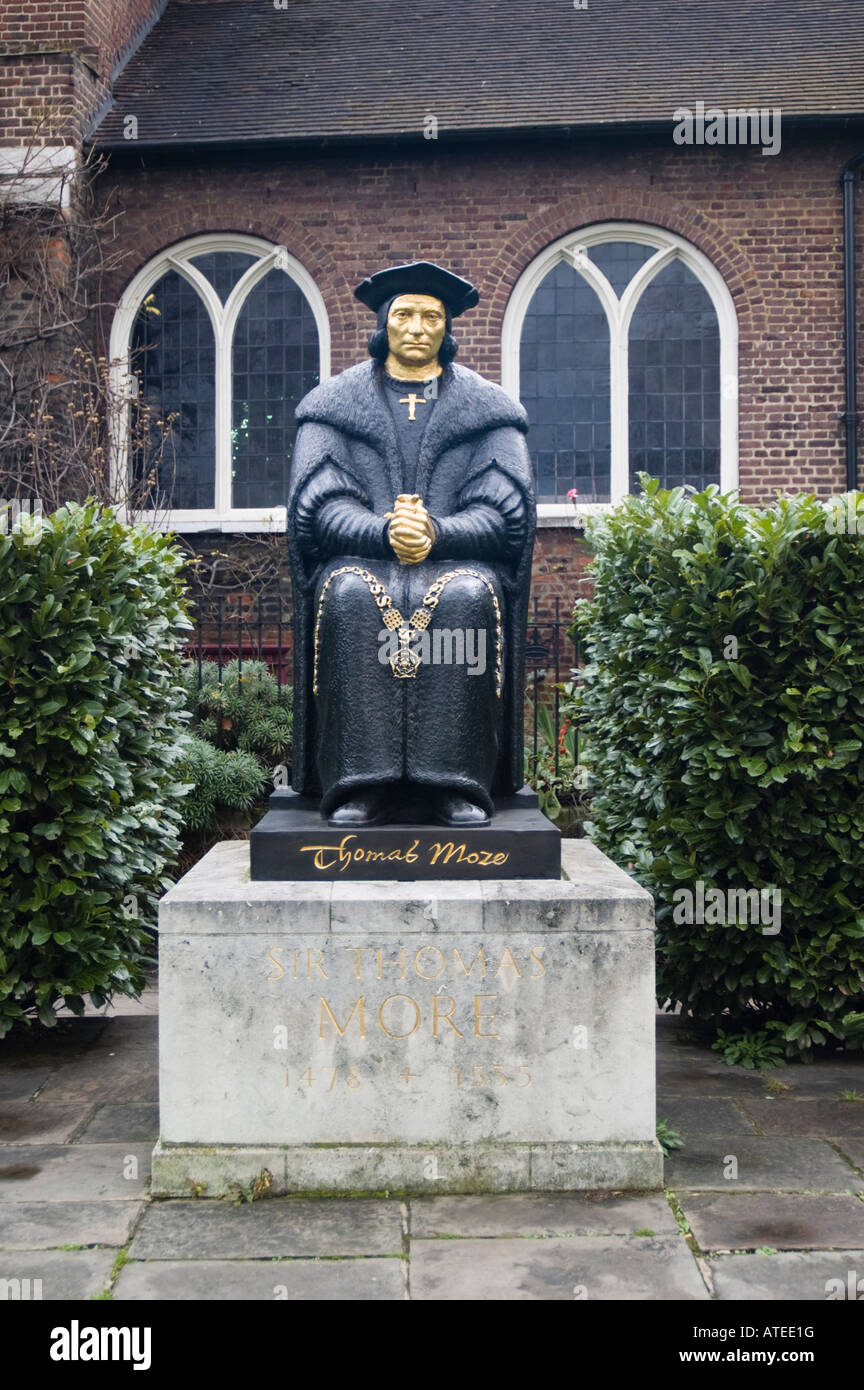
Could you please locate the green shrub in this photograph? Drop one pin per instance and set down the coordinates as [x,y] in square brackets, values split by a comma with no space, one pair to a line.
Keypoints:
[760,1051]
[668,1138]
[557,789]
[723,717]
[245,710]
[222,783]
[243,725]
[91,620]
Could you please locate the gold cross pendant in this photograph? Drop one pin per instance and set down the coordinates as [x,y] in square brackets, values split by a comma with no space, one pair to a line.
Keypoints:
[412,401]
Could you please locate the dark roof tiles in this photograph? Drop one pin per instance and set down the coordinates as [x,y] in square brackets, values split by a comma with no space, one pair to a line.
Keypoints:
[243,70]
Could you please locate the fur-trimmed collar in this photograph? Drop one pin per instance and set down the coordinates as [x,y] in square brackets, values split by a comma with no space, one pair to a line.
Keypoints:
[467,404]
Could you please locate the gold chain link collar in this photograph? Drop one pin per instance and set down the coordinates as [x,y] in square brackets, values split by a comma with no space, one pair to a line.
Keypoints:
[405,663]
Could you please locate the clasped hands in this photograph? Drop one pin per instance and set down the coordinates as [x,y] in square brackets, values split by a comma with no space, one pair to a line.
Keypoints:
[411,532]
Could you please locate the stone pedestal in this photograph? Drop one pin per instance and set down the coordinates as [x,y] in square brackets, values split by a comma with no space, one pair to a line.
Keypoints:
[430,1037]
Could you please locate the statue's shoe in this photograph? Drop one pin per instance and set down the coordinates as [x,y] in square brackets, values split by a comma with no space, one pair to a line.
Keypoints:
[366,808]
[448,808]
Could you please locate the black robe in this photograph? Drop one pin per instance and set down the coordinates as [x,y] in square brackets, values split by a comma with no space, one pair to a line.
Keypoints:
[444,727]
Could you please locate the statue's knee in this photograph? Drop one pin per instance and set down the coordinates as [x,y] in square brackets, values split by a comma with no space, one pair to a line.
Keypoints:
[464,598]
[349,589]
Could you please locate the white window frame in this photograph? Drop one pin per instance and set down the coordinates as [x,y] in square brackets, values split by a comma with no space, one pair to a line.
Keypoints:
[572,249]
[223,318]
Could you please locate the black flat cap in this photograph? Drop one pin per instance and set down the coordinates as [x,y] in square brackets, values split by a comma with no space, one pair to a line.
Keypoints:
[418,277]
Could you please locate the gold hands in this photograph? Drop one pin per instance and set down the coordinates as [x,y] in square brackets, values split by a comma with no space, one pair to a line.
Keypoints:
[411,532]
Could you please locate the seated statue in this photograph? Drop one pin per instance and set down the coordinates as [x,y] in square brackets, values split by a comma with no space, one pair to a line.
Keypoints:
[411,520]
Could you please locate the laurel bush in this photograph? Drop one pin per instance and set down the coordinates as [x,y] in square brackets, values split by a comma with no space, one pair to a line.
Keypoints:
[722,709]
[91,729]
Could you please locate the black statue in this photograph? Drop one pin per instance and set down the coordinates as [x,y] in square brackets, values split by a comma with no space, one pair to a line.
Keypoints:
[411,520]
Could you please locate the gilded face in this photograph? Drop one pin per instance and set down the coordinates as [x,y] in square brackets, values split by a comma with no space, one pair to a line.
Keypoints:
[415,329]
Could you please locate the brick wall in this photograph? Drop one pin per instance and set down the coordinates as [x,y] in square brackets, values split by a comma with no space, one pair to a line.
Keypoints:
[58,55]
[771,225]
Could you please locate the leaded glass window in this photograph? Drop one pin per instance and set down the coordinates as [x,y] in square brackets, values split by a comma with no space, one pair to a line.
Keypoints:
[173,353]
[275,363]
[223,269]
[619,261]
[223,340]
[623,347]
[675,382]
[565,386]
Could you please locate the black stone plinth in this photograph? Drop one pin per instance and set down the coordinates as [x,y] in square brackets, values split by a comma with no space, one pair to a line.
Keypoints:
[294,842]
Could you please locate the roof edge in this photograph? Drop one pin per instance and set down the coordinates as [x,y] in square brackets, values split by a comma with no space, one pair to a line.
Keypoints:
[461,135]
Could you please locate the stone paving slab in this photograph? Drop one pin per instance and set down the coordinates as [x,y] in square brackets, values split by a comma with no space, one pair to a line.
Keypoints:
[596,1268]
[321,1281]
[65,1274]
[854,1151]
[280,1226]
[530,1214]
[684,1076]
[72,1172]
[808,1118]
[787,1276]
[824,1079]
[744,1221]
[21,1082]
[125,1124]
[48,1225]
[39,1122]
[764,1164]
[140,1031]
[131,1074]
[705,1117]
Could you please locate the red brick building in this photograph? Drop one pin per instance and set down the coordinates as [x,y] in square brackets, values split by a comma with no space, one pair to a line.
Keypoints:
[650,199]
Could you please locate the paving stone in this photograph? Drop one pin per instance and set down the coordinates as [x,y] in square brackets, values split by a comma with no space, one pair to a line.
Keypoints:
[854,1151]
[813,1118]
[540,1214]
[825,1079]
[65,1274]
[47,1225]
[683,1081]
[72,1172]
[127,1124]
[792,1276]
[20,1083]
[744,1221]
[131,1074]
[764,1164]
[680,1055]
[39,1122]
[704,1117]
[315,1281]
[203,1230]
[596,1268]
[131,1030]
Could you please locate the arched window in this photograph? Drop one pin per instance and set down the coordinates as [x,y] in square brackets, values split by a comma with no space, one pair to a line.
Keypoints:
[223,334]
[621,341]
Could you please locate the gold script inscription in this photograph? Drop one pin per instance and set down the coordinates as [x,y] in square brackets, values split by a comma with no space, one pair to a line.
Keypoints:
[340,856]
